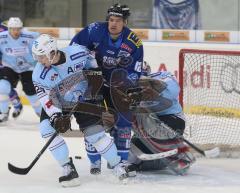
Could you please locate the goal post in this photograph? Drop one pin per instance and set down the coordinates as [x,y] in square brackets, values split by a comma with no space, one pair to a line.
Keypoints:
[210,96]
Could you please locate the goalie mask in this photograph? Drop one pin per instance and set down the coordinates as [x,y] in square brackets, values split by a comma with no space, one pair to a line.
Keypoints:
[119,11]
[44,45]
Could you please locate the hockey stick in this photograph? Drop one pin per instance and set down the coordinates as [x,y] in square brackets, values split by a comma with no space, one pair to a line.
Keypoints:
[24,171]
[155,156]
[211,153]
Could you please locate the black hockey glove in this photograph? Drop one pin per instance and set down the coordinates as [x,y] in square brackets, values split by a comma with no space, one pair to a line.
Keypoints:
[61,123]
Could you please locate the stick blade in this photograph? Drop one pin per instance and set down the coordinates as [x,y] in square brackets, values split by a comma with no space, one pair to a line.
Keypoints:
[157,155]
[212,152]
[16,170]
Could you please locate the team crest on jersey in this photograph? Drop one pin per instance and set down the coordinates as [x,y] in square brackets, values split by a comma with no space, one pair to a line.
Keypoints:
[134,39]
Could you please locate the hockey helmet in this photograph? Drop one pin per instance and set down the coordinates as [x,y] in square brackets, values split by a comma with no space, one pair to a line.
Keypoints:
[14,22]
[119,10]
[44,45]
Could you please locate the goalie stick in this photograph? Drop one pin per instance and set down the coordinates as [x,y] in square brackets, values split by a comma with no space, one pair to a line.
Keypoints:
[155,156]
[24,171]
[211,153]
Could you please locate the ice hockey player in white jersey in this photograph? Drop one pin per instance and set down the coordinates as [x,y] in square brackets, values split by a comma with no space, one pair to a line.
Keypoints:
[56,69]
[17,64]
[159,125]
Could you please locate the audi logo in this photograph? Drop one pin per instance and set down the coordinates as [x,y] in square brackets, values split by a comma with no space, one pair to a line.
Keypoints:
[230,78]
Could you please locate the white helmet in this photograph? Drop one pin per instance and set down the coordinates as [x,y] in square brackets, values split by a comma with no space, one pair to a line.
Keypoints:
[44,45]
[15,22]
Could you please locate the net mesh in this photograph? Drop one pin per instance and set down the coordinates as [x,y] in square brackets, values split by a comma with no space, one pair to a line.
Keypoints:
[210,82]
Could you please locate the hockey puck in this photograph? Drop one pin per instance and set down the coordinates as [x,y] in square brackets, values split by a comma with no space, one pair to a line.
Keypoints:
[78,157]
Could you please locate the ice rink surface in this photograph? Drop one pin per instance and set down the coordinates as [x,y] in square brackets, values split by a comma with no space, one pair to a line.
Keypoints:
[20,142]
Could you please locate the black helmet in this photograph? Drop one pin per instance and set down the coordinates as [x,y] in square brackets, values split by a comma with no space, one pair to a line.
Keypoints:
[119,11]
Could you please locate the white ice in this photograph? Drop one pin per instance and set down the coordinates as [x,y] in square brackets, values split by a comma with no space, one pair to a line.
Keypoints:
[20,142]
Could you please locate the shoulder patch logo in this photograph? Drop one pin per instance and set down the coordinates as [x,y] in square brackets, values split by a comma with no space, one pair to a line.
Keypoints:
[134,39]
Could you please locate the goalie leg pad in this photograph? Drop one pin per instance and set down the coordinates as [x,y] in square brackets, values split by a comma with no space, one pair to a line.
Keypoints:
[58,147]
[105,146]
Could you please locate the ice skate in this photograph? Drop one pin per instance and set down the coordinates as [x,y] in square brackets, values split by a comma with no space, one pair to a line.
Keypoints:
[95,168]
[131,171]
[4,117]
[70,175]
[120,171]
[17,111]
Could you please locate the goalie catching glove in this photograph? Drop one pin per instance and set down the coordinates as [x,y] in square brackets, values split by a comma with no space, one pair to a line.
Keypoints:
[148,90]
[61,123]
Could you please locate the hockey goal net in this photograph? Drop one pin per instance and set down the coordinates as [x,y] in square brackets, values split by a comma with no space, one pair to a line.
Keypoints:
[210,96]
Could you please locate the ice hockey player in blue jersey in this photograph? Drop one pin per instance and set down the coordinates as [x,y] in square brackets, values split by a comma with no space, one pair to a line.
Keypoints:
[158,113]
[115,47]
[57,68]
[16,64]
[13,95]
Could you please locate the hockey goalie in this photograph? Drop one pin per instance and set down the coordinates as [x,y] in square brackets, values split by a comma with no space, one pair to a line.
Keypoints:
[158,126]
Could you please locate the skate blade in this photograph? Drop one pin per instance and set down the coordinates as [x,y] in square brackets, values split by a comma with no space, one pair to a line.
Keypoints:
[72,183]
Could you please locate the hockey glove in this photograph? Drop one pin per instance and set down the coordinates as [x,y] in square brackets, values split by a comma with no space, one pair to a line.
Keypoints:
[157,85]
[108,120]
[134,95]
[149,94]
[61,123]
